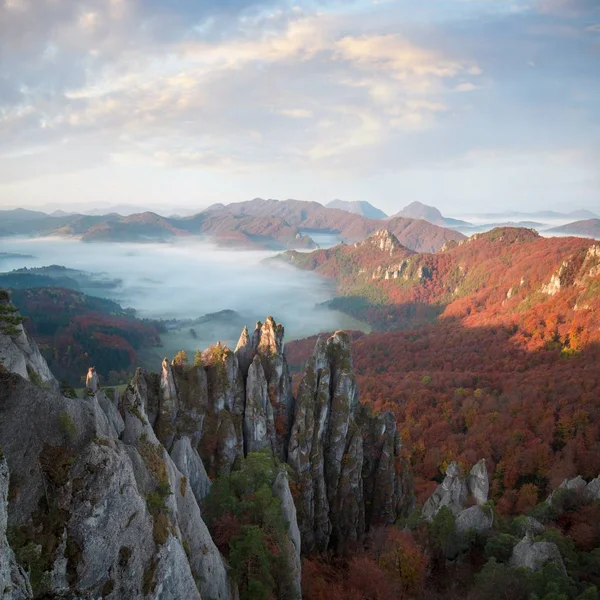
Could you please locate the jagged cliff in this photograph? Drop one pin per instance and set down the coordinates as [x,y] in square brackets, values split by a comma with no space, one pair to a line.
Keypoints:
[106,492]
[346,463]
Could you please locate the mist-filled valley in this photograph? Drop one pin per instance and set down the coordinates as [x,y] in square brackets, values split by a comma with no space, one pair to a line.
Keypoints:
[202,292]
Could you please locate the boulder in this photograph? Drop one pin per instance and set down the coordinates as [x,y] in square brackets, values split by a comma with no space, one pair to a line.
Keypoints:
[475,518]
[534,555]
[452,492]
[592,490]
[478,482]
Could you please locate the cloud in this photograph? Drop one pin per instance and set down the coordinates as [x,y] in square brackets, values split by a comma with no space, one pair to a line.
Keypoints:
[465,87]
[343,89]
[210,103]
[296,113]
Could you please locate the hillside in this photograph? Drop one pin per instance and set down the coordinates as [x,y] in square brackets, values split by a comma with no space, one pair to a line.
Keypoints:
[75,331]
[358,207]
[587,228]
[498,334]
[498,273]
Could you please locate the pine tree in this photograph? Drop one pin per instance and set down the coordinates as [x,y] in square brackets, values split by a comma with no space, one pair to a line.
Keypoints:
[9,317]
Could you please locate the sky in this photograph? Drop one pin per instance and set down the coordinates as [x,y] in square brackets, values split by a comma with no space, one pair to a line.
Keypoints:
[469,105]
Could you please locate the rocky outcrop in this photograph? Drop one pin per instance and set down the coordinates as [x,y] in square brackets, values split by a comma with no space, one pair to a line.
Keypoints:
[386,483]
[221,442]
[330,460]
[478,482]
[589,492]
[455,491]
[20,354]
[382,240]
[281,490]
[475,518]
[266,343]
[106,509]
[592,490]
[534,555]
[188,461]
[14,581]
[452,492]
[114,484]
[259,426]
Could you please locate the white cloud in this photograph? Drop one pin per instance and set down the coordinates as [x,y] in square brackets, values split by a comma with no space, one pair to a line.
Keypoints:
[313,69]
[465,87]
[296,113]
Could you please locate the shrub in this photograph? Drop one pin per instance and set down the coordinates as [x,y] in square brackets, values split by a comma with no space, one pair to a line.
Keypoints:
[181,359]
[500,547]
[67,425]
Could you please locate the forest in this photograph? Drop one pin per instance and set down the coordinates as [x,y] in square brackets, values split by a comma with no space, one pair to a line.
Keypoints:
[75,330]
[493,354]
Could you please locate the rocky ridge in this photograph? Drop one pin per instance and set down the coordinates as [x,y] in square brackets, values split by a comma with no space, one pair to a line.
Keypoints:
[111,505]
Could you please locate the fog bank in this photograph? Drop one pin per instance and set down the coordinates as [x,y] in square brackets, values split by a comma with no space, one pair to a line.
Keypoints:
[189,279]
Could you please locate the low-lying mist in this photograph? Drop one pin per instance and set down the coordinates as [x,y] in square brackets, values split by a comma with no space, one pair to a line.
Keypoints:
[186,280]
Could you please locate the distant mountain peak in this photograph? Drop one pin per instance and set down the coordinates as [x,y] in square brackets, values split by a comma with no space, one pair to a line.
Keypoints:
[418,210]
[358,207]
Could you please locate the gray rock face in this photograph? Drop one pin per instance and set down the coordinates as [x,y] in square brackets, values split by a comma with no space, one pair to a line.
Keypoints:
[266,343]
[474,518]
[14,582]
[592,490]
[534,555]
[478,482]
[577,484]
[188,461]
[390,494]
[343,459]
[259,426]
[306,450]
[531,527]
[455,490]
[112,413]
[452,492]
[281,490]
[20,354]
[123,515]
[168,407]
[222,442]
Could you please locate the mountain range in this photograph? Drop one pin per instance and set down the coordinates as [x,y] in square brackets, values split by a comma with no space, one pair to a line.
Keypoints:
[257,223]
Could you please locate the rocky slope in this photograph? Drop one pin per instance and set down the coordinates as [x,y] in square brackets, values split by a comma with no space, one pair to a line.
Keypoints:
[20,354]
